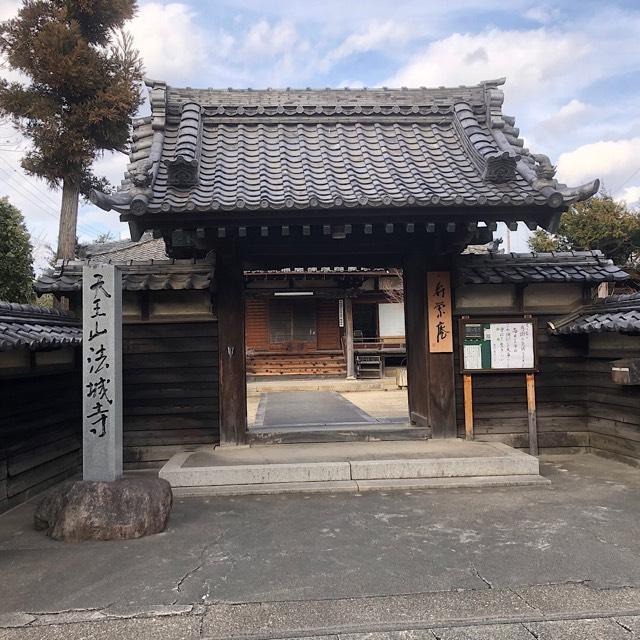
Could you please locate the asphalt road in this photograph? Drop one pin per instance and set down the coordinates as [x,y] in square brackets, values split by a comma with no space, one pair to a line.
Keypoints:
[536,560]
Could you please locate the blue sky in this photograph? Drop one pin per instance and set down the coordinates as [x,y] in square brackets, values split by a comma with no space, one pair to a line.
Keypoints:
[572,68]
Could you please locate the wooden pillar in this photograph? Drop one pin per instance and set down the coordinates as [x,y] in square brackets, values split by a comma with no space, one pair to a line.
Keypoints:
[430,376]
[415,320]
[442,395]
[233,379]
[348,337]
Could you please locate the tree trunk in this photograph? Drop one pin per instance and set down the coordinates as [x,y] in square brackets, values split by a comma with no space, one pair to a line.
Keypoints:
[68,221]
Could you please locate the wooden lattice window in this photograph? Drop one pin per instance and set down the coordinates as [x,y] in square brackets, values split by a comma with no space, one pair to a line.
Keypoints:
[292,320]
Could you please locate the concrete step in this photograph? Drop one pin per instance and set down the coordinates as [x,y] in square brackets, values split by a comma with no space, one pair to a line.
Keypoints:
[337,434]
[369,465]
[342,385]
[362,486]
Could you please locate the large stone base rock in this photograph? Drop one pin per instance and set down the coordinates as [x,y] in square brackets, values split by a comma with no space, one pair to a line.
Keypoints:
[79,510]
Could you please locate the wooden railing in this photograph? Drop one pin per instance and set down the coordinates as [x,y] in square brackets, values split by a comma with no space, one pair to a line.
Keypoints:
[379,344]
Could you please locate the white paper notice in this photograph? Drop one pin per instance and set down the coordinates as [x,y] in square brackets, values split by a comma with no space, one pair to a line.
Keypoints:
[472,356]
[512,346]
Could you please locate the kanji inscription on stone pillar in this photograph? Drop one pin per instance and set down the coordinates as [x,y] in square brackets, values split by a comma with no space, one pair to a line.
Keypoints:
[102,372]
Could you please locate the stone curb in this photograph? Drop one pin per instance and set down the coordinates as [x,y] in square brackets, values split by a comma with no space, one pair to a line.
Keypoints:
[431,610]
[113,612]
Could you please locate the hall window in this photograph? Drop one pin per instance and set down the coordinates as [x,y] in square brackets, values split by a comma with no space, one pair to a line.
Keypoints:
[292,320]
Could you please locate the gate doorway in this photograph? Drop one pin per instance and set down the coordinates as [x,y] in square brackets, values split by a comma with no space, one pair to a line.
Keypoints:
[316,353]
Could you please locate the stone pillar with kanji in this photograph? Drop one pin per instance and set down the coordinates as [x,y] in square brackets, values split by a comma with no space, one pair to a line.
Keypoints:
[102,372]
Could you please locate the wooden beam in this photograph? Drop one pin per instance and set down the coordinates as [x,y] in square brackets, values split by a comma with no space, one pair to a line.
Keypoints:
[368,229]
[348,338]
[532,414]
[229,279]
[388,228]
[430,227]
[264,231]
[242,232]
[306,230]
[468,407]
[410,227]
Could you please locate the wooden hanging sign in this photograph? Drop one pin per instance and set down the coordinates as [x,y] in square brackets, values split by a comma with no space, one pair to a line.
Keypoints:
[440,313]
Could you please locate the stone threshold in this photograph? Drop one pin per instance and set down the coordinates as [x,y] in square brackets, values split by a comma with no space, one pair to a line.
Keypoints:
[351,467]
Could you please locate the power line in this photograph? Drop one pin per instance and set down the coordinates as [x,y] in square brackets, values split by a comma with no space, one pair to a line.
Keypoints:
[86,228]
[31,189]
[627,180]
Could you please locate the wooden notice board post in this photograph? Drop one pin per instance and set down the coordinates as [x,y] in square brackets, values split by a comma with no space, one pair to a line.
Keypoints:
[468,407]
[499,345]
[468,402]
[532,414]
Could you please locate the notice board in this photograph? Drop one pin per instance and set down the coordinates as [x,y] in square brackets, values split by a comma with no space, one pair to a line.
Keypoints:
[499,345]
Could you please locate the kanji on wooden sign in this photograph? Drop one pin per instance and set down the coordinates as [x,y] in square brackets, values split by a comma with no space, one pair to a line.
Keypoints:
[440,317]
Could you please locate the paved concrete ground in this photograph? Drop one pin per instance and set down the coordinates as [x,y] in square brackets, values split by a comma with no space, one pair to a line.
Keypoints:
[305,407]
[559,561]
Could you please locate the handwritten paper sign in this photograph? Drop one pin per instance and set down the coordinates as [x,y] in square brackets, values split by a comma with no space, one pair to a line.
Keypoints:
[102,372]
[440,320]
[512,345]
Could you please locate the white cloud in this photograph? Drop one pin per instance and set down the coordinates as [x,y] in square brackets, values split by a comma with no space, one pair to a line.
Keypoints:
[266,39]
[534,61]
[9,8]
[631,195]
[111,166]
[376,35]
[350,84]
[569,116]
[170,40]
[541,14]
[571,110]
[613,161]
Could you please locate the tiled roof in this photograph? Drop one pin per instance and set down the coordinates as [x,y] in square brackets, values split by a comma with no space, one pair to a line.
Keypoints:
[144,265]
[29,327]
[615,313]
[122,251]
[470,268]
[514,268]
[154,275]
[209,150]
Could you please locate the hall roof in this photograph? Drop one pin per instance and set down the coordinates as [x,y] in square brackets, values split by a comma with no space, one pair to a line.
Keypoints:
[141,272]
[26,326]
[560,266]
[208,150]
[614,313]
